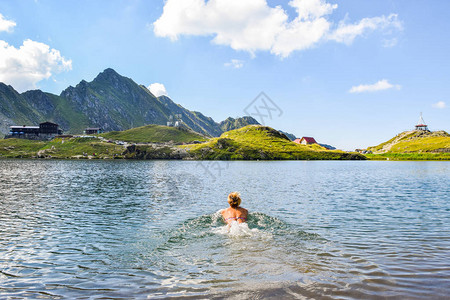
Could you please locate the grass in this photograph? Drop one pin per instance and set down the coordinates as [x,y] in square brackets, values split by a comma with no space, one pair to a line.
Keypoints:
[426,144]
[252,142]
[19,148]
[59,148]
[259,142]
[414,145]
[414,141]
[81,148]
[409,156]
[155,134]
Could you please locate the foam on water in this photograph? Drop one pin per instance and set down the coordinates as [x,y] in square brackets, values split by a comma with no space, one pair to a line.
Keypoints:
[235,229]
[258,225]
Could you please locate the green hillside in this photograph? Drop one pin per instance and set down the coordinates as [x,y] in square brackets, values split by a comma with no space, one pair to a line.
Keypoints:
[260,142]
[58,148]
[14,109]
[19,148]
[155,134]
[414,145]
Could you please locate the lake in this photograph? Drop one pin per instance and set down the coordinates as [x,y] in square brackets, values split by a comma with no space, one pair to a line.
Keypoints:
[151,229]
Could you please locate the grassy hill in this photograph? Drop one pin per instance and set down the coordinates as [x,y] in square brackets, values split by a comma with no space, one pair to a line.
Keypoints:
[19,148]
[58,148]
[260,142]
[414,145]
[155,134]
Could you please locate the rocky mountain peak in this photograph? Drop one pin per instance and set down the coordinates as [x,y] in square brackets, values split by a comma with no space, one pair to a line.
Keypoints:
[7,90]
[108,75]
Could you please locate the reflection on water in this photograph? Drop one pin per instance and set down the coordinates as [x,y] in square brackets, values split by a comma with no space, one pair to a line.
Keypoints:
[117,229]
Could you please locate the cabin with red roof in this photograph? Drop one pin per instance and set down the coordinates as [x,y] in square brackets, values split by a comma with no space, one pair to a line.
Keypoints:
[306,140]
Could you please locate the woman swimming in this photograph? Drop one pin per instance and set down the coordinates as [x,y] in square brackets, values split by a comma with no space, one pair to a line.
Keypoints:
[234,212]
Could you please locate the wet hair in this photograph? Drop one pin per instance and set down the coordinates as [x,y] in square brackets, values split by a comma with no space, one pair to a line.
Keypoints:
[234,199]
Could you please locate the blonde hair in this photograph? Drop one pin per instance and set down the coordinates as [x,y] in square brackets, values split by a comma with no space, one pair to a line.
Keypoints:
[234,199]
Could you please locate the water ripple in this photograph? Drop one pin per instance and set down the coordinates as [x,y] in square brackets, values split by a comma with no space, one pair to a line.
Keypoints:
[358,230]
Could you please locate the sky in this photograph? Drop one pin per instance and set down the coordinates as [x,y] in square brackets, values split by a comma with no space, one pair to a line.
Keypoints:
[350,73]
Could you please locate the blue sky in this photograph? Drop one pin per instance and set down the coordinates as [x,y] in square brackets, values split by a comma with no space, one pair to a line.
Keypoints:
[349,73]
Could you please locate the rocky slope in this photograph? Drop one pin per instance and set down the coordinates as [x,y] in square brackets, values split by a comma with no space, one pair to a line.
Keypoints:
[14,109]
[231,123]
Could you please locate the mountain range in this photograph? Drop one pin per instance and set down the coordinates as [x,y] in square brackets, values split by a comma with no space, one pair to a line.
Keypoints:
[111,102]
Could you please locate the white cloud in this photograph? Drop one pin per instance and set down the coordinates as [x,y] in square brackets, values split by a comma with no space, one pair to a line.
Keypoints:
[378,86]
[234,63]
[30,63]
[253,25]
[244,25]
[6,25]
[440,104]
[306,30]
[346,33]
[157,89]
[389,43]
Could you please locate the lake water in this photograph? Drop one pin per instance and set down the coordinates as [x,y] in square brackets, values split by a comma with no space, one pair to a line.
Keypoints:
[150,229]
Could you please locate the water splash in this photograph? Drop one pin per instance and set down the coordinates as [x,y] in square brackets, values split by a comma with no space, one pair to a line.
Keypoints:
[236,229]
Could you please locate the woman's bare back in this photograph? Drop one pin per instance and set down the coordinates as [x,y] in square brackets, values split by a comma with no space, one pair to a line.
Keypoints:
[238,214]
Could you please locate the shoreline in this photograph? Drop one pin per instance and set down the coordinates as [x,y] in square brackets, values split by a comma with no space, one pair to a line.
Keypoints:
[384,159]
[93,148]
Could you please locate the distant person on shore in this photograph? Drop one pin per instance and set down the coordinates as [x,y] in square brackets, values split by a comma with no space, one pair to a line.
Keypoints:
[234,213]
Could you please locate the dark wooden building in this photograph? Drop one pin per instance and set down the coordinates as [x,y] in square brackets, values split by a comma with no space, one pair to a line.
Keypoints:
[44,131]
[49,128]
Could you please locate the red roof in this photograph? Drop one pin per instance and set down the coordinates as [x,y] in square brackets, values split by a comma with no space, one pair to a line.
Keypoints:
[309,140]
[297,141]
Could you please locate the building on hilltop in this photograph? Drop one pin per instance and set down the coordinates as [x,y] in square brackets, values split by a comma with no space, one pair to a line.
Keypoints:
[305,141]
[421,124]
[45,131]
[93,130]
[175,120]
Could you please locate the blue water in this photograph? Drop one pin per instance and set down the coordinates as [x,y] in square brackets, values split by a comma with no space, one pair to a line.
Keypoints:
[151,229]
